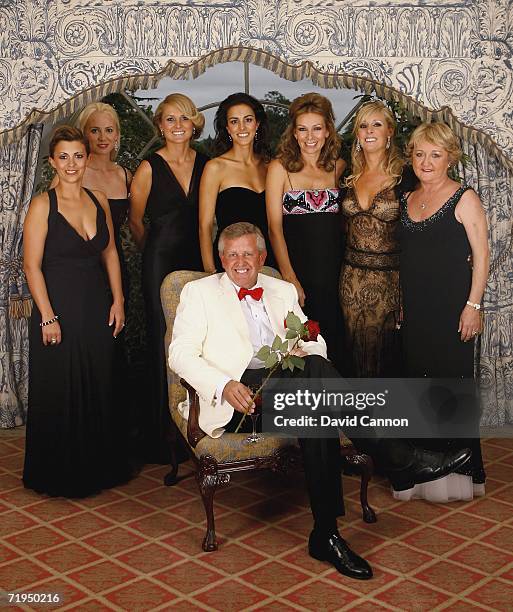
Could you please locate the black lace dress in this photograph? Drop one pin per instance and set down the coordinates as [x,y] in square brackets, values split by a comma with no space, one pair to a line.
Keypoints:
[369,285]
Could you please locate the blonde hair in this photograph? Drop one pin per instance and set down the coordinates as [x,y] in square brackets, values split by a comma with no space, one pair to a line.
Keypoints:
[438,134]
[289,152]
[99,107]
[392,163]
[185,105]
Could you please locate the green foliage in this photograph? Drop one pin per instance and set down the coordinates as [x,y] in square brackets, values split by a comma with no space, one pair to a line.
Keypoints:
[205,146]
[278,117]
[135,131]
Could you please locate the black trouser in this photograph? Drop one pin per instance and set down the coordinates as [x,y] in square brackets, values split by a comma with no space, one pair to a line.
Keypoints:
[321,456]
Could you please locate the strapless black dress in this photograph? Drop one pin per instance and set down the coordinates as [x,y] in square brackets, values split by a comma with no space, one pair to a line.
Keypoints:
[236,204]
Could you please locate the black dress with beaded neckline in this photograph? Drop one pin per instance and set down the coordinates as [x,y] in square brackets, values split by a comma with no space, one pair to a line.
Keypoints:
[436,277]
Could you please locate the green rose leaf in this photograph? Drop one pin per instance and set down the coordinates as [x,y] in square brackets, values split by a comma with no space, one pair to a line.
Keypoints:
[284,346]
[276,343]
[293,322]
[291,334]
[298,362]
[263,353]
[271,360]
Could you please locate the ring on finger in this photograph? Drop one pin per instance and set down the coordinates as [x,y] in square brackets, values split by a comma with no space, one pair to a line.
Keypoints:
[53,340]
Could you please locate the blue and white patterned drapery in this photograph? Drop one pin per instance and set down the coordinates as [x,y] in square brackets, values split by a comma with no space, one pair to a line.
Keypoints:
[447,60]
[18,162]
[494,358]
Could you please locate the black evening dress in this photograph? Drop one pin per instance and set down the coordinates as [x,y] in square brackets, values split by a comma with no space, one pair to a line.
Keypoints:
[313,233]
[369,285]
[436,277]
[236,204]
[119,211]
[74,446]
[172,244]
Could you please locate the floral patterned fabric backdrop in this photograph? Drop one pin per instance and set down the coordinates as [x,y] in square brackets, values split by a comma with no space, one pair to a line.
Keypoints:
[18,163]
[448,60]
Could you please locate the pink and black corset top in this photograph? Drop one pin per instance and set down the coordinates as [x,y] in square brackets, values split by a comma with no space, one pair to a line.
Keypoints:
[305,201]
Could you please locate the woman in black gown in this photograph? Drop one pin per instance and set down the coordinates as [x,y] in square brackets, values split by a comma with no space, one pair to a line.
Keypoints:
[74,446]
[165,188]
[303,209]
[233,184]
[443,271]
[99,123]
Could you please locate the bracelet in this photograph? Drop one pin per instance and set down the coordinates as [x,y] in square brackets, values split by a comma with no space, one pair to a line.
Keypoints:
[474,306]
[49,322]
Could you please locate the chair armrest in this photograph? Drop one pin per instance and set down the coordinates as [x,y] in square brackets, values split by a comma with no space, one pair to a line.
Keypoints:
[194,433]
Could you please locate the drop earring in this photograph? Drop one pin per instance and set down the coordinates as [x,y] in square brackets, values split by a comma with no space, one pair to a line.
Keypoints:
[388,143]
[358,147]
[116,146]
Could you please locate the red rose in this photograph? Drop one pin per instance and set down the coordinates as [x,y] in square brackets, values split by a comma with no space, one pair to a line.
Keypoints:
[313,330]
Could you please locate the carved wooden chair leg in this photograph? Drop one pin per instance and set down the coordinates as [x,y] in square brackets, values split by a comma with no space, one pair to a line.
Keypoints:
[208,478]
[170,478]
[367,469]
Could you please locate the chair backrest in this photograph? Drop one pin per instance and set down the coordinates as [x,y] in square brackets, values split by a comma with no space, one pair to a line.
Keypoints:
[170,291]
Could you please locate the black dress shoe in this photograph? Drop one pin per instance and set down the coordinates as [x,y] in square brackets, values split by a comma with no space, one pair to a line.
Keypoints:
[427,466]
[334,549]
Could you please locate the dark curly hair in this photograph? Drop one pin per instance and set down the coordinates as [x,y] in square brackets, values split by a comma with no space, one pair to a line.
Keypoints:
[67,133]
[222,143]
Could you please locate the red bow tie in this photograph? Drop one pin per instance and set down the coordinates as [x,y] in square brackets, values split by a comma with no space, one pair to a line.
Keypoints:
[255,293]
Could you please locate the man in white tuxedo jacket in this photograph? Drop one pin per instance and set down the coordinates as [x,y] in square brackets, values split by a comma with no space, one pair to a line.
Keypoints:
[221,323]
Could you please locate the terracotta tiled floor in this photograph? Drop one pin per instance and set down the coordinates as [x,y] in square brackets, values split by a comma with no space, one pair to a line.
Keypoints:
[138,547]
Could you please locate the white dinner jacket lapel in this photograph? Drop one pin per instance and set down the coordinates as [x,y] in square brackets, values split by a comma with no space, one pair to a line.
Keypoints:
[274,306]
[230,304]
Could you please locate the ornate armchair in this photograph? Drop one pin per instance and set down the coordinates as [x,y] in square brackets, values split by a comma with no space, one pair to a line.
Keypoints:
[215,459]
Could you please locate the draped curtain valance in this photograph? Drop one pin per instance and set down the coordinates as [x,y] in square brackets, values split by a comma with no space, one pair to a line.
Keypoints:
[452,59]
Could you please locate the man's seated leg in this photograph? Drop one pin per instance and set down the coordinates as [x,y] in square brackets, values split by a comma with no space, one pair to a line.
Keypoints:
[404,463]
[321,461]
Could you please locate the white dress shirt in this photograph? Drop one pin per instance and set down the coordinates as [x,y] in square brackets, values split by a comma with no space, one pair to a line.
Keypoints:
[260,333]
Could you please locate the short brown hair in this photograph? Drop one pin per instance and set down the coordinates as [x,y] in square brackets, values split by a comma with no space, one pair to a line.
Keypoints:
[67,133]
[187,107]
[438,134]
[242,228]
[289,152]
